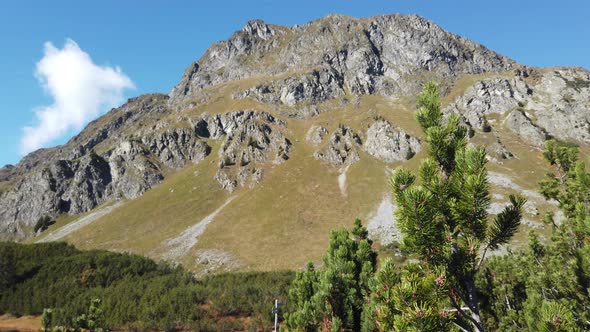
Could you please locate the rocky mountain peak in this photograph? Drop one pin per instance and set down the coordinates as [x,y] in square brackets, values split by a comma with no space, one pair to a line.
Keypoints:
[258,29]
[373,55]
[335,89]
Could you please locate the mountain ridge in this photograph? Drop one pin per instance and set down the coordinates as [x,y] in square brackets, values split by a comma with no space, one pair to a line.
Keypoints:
[330,101]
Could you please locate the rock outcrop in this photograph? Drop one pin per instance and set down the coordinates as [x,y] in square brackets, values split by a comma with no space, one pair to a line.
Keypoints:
[497,152]
[177,146]
[389,143]
[520,123]
[535,103]
[315,87]
[342,148]
[255,141]
[315,135]
[486,97]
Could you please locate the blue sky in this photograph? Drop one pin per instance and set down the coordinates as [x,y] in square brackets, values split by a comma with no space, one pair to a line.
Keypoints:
[152,42]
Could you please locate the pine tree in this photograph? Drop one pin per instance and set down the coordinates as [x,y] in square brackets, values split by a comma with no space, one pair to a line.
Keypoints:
[304,316]
[46,319]
[410,299]
[8,263]
[444,219]
[334,299]
[569,185]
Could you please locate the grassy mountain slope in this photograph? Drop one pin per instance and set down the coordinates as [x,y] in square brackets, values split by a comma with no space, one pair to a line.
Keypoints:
[284,221]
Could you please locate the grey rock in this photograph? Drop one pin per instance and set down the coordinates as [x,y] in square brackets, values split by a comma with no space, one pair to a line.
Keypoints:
[74,179]
[220,125]
[90,185]
[554,101]
[376,55]
[562,108]
[497,95]
[497,151]
[317,86]
[389,143]
[523,126]
[225,180]
[255,141]
[342,148]
[177,146]
[132,172]
[315,135]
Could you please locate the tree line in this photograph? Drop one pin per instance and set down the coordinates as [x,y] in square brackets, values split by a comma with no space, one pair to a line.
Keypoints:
[133,292]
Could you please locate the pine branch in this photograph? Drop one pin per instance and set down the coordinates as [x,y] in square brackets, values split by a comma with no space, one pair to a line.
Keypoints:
[505,226]
[506,223]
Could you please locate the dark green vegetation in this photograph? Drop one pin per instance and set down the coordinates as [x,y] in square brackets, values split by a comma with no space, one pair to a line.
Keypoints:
[43,223]
[547,287]
[450,285]
[134,291]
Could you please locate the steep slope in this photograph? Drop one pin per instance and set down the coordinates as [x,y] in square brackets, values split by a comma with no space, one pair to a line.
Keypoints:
[333,56]
[279,134]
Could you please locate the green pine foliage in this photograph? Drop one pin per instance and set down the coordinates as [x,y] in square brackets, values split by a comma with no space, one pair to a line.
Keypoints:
[547,287]
[304,315]
[95,290]
[443,213]
[410,299]
[335,298]
[43,223]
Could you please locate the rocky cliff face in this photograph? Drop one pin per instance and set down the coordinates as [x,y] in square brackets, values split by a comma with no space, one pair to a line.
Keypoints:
[535,104]
[243,94]
[335,54]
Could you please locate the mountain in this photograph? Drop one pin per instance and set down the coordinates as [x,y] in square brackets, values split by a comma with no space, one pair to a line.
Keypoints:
[279,134]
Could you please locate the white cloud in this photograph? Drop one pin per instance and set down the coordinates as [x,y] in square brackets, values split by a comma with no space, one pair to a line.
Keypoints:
[80,89]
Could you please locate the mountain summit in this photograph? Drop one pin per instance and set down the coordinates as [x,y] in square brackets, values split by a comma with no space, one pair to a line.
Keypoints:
[279,134]
[337,55]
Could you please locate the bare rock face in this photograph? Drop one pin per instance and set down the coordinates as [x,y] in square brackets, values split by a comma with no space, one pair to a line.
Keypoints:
[497,152]
[376,55]
[256,140]
[132,172]
[535,103]
[496,95]
[389,143]
[108,130]
[342,148]
[177,146]
[37,194]
[220,125]
[523,126]
[317,86]
[315,135]
[74,179]
[563,106]
[90,185]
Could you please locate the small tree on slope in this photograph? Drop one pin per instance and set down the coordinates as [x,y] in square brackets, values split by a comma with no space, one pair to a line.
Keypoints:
[444,218]
[334,299]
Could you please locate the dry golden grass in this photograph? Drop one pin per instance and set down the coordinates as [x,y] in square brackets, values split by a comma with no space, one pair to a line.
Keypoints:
[10,323]
[285,220]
